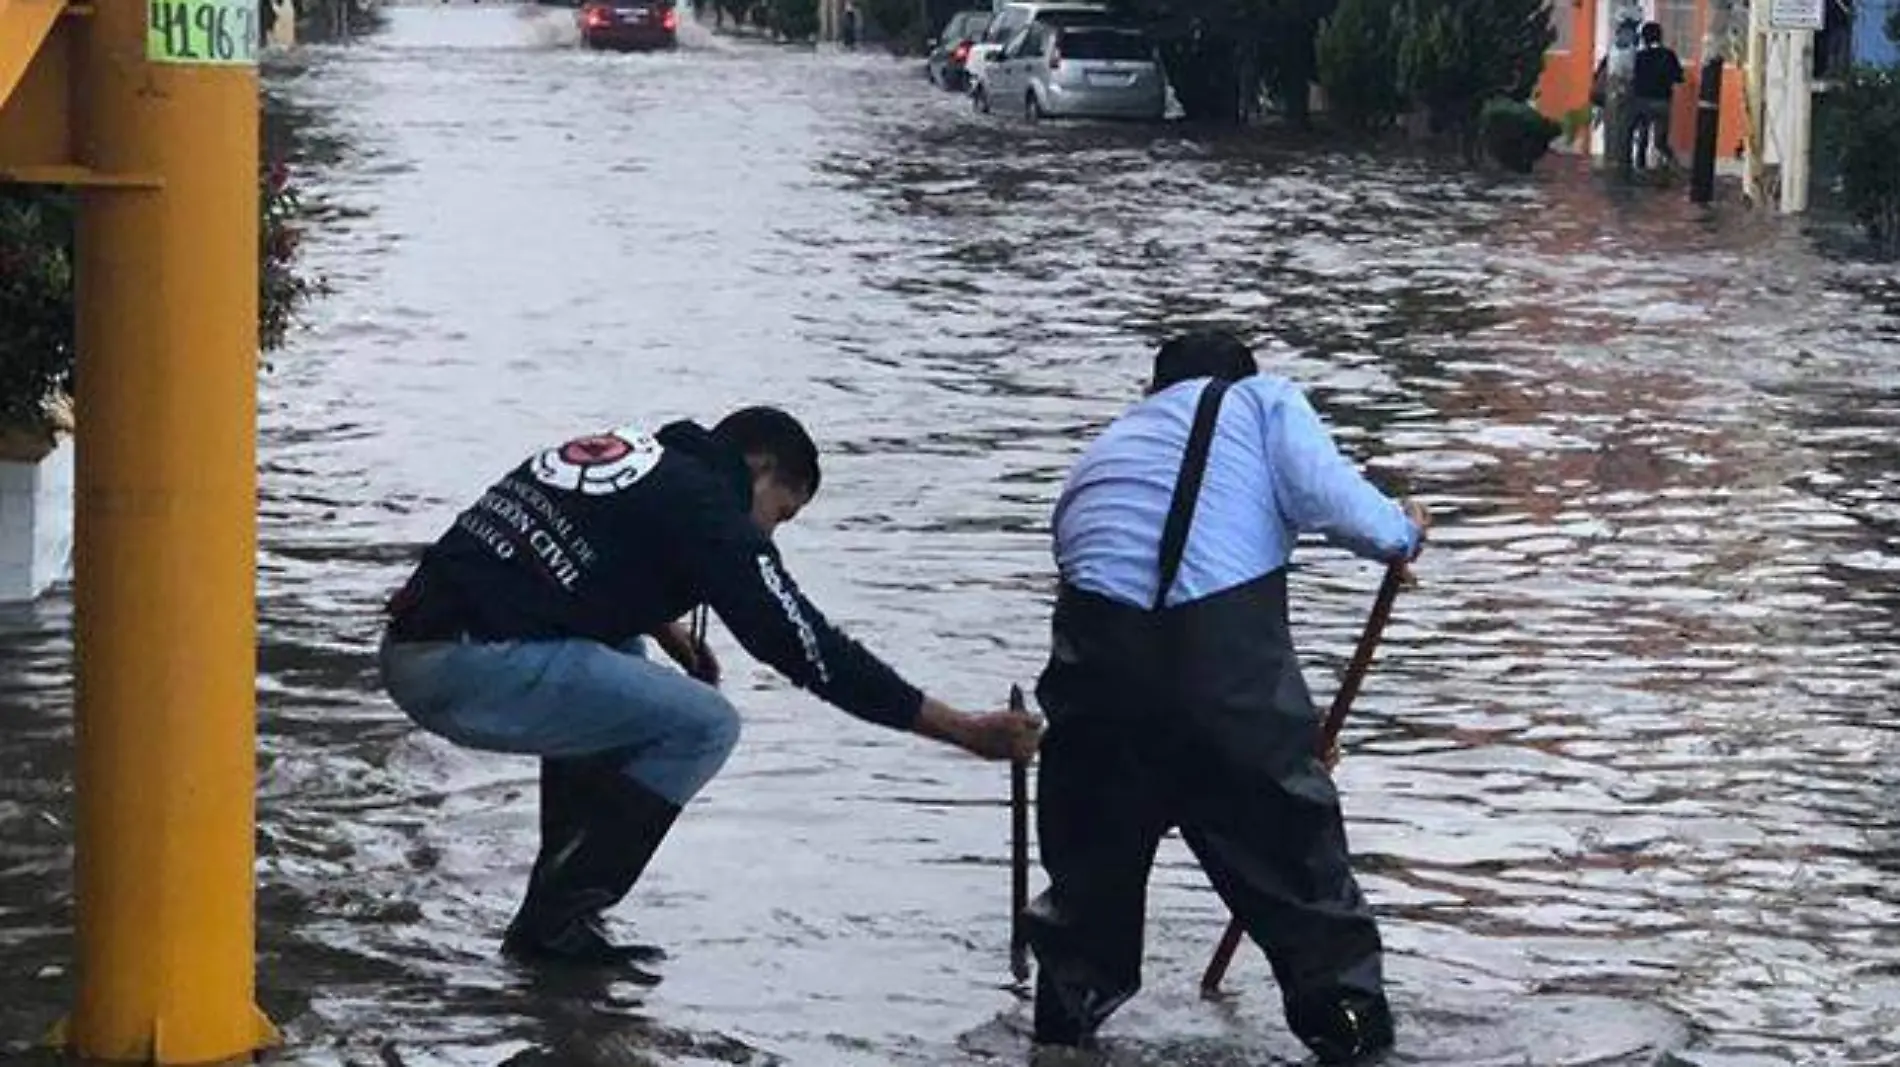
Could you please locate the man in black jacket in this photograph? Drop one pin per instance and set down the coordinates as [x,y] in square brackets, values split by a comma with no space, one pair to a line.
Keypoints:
[1652,89]
[522,631]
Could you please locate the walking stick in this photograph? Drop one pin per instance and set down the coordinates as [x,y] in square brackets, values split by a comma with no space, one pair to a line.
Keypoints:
[1328,736]
[1018,853]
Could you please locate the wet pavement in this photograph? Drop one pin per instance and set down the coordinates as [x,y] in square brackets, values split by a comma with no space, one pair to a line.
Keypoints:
[1632,739]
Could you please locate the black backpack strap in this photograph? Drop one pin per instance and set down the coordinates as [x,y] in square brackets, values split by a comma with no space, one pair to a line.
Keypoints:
[1187,488]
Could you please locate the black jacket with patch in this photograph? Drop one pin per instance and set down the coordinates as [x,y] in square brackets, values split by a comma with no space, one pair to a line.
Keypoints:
[611,537]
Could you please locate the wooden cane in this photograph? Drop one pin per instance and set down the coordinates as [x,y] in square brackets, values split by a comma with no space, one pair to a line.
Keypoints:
[1018,853]
[1328,737]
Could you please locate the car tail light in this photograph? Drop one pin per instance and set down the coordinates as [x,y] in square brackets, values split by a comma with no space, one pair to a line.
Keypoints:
[597,16]
[671,20]
[961,53]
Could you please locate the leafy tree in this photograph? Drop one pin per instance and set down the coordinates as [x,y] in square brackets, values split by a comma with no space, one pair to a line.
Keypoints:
[1358,63]
[1220,53]
[794,20]
[901,22]
[1456,55]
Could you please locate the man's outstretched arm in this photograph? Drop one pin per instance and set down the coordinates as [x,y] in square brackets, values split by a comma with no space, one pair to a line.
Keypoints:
[747,585]
[1320,491]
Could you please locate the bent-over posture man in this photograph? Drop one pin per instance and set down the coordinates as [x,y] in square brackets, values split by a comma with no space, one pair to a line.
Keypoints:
[1175,699]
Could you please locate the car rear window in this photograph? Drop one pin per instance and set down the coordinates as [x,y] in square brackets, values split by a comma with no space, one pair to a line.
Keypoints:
[973,25]
[1105,44]
[1072,16]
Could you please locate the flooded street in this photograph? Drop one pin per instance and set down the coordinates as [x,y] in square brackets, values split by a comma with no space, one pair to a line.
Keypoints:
[1634,736]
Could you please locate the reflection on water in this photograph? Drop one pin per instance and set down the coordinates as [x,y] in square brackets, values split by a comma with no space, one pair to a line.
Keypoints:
[1632,737]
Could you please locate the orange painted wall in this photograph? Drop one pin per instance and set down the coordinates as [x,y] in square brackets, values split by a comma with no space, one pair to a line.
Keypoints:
[1682,112]
[1565,84]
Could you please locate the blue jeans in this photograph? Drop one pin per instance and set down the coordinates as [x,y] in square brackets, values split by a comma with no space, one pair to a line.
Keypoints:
[567,698]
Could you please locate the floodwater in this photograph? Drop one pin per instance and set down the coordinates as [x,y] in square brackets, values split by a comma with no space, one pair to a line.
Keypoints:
[1632,738]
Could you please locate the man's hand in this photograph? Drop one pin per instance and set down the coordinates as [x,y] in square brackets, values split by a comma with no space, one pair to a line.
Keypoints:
[705,665]
[996,735]
[1422,519]
[693,657]
[1003,735]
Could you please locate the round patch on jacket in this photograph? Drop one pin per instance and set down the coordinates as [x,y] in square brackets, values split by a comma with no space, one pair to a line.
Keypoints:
[599,464]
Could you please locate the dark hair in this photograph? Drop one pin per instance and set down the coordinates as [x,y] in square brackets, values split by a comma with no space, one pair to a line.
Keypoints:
[1652,33]
[1202,354]
[774,435]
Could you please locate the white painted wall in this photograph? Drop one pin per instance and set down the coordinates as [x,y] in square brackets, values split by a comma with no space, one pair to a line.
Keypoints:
[36,524]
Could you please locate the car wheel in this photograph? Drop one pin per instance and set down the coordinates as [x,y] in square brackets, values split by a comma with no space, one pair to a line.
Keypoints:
[1032,108]
[980,99]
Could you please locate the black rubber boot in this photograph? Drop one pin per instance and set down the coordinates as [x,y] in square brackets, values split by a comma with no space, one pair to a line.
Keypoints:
[560,803]
[1076,990]
[1348,1029]
[1055,1025]
[599,831]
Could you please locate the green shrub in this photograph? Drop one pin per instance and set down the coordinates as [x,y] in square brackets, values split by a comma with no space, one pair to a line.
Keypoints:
[1861,138]
[37,349]
[36,301]
[1576,122]
[282,290]
[1515,134]
[1358,61]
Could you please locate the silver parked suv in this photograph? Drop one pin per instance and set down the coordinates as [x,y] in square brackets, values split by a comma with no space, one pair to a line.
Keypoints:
[1076,70]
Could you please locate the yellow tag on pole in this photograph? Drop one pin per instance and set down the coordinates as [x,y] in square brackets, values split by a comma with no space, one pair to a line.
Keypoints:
[220,33]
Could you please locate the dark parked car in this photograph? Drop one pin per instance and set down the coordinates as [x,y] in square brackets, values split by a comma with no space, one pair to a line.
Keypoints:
[948,64]
[630,25]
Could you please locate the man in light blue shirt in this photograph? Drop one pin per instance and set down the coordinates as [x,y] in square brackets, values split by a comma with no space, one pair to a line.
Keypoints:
[1174,697]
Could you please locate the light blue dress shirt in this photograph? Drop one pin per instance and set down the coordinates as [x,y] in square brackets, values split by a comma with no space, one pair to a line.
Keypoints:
[1273,473]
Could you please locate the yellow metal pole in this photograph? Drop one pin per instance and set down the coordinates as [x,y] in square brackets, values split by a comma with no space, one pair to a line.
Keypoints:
[165,574]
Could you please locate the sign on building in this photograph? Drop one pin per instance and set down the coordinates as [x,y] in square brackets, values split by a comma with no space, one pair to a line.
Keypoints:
[1797,14]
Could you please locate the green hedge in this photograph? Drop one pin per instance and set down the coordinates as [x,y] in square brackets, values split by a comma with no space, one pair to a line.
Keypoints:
[1860,142]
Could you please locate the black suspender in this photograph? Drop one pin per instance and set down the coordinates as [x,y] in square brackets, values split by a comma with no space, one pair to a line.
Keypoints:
[1187,488]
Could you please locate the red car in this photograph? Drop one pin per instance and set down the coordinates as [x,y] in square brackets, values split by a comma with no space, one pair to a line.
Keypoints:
[630,25]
